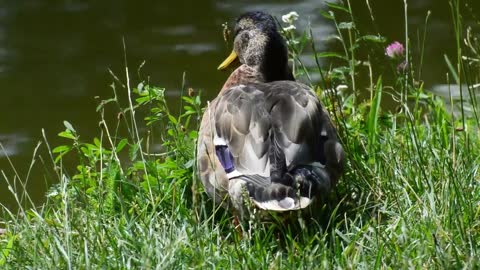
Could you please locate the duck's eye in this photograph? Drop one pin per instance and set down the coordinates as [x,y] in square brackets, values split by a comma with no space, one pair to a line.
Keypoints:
[245,37]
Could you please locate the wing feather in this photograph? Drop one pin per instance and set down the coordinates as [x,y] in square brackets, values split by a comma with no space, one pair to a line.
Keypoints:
[246,115]
[243,121]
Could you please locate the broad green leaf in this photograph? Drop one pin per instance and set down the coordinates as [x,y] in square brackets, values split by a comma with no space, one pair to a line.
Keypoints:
[193,134]
[172,119]
[140,87]
[336,6]
[61,149]
[190,163]
[188,99]
[327,15]
[142,100]
[134,151]
[121,145]
[67,134]
[69,126]
[452,69]
[97,143]
[6,250]
[374,111]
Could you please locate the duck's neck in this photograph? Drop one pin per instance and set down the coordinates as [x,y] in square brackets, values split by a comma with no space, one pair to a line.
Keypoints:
[243,75]
[274,63]
[272,69]
[278,74]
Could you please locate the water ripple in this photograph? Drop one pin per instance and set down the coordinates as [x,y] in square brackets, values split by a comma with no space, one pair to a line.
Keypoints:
[11,144]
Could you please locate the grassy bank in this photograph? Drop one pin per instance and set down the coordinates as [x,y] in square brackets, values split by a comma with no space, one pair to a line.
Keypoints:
[410,197]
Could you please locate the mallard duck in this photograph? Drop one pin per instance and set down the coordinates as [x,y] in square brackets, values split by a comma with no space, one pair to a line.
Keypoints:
[266,138]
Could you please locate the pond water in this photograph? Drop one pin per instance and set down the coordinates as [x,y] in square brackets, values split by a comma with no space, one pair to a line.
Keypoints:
[55,57]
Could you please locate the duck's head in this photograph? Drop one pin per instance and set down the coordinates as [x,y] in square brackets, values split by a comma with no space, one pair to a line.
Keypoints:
[258,44]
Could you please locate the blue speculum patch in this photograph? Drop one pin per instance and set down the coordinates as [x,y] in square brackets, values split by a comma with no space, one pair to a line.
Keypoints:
[225,157]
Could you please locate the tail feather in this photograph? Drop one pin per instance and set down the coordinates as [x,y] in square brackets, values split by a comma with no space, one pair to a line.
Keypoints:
[284,190]
[308,182]
[278,165]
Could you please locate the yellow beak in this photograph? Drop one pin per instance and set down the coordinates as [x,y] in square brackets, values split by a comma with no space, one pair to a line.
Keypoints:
[228,61]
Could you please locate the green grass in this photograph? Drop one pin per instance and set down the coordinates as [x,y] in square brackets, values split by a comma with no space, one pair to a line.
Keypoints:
[410,197]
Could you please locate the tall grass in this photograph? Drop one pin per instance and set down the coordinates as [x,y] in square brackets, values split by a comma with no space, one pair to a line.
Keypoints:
[410,197]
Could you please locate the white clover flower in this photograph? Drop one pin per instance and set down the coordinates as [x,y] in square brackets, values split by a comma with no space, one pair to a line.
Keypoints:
[341,87]
[289,28]
[290,17]
[292,42]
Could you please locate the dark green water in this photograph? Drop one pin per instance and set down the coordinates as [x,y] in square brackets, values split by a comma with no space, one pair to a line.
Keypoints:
[55,56]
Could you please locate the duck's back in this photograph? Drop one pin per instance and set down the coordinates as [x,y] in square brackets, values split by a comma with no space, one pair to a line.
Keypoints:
[247,116]
[261,131]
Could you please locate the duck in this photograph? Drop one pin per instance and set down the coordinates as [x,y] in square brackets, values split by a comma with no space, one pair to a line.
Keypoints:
[266,141]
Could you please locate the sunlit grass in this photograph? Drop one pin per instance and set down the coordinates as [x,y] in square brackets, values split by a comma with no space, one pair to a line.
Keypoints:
[410,197]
